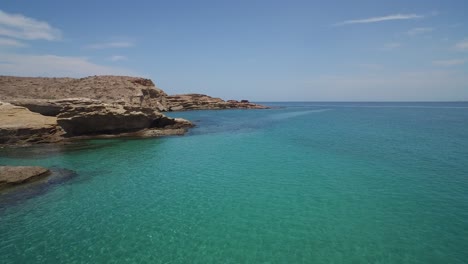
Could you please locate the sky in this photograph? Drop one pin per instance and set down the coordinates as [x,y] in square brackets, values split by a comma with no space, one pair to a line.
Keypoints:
[258,50]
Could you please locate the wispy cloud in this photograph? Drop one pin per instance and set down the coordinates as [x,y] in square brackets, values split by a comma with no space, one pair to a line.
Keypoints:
[391,46]
[117,58]
[462,45]
[22,27]
[11,43]
[448,63]
[55,66]
[109,45]
[380,19]
[419,31]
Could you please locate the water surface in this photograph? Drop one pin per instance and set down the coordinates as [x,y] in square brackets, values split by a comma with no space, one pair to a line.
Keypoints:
[304,183]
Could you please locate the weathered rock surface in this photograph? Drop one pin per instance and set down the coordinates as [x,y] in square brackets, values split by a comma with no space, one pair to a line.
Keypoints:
[42,106]
[19,126]
[38,94]
[80,116]
[45,110]
[185,102]
[14,175]
[108,89]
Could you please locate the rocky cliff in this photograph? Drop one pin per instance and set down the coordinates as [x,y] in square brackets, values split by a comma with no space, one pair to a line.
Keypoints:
[19,126]
[43,110]
[36,93]
[108,89]
[82,117]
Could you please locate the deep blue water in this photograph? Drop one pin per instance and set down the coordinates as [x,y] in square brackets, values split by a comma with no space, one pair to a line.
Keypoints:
[301,183]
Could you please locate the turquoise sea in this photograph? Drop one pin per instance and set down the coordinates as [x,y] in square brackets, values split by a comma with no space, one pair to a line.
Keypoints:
[301,183]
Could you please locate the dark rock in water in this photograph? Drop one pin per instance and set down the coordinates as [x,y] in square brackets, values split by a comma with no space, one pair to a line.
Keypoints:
[14,175]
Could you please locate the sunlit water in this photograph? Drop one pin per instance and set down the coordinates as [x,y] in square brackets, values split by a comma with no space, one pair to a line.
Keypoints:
[306,183]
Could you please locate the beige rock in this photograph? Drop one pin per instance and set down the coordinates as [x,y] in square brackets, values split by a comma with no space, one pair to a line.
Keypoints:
[108,89]
[20,126]
[14,175]
[87,117]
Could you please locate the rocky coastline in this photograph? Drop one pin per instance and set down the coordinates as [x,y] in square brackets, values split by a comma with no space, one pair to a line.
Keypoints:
[186,102]
[35,110]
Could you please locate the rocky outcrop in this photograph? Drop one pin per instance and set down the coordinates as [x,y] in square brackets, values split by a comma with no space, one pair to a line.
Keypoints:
[14,175]
[81,116]
[19,126]
[41,106]
[108,89]
[38,94]
[45,110]
[185,102]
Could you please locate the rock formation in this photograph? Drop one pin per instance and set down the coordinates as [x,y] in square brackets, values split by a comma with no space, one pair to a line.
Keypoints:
[82,116]
[44,110]
[19,126]
[185,102]
[36,93]
[14,175]
[108,89]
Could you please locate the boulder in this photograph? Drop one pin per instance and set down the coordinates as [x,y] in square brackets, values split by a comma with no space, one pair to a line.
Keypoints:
[14,175]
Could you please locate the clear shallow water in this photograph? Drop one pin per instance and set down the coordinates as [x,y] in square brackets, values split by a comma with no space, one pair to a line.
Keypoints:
[308,183]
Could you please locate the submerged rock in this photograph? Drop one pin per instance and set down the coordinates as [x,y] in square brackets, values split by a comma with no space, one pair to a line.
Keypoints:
[14,175]
[18,193]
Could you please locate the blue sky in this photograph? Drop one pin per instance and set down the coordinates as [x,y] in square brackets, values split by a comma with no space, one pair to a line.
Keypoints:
[259,50]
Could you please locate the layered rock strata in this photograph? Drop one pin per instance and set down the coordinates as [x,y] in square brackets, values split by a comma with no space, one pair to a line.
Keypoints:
[184,102]
[19,126]
[108,89]
[82,117]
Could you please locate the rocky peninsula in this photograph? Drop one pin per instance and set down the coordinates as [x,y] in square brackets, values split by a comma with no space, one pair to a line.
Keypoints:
[36,110]
[48,110]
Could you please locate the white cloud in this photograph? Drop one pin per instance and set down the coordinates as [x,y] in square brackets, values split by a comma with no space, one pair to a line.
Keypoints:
[11,43]
[462,45]
[380,19]
[117,58]
[391,46]
[21,27]
[419,31]
[447,63]
[54,66]
[108,45]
